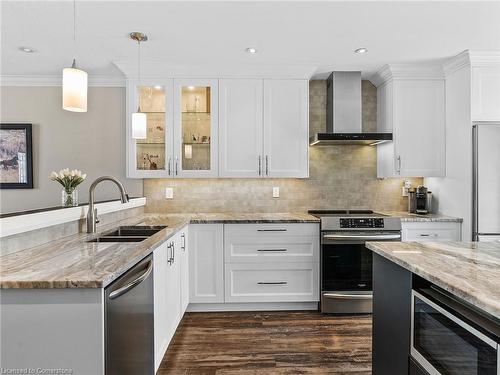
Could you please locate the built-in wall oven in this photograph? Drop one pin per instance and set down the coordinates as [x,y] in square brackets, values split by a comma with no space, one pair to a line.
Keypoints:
[346,264]
[450,338]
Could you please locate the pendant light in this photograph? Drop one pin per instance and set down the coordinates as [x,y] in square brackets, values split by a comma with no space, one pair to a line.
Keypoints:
[74,80]
[139,120]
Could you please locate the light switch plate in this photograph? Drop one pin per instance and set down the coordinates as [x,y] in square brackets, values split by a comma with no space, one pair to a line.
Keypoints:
[169,193]
[276,192]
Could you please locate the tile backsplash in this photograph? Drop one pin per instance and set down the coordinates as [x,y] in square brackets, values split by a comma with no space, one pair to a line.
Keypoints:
[339,177]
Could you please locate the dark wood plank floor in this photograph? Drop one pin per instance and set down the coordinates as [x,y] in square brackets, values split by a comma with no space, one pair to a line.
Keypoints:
[269,343]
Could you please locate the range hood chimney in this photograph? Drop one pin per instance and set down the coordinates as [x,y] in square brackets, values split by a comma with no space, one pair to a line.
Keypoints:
[343,113]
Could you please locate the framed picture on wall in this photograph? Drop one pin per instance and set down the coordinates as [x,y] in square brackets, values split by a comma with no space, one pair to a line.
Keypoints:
[16,156]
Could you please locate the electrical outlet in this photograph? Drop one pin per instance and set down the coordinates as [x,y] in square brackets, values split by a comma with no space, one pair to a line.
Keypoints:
[276,192]
[169,193]
[405,188]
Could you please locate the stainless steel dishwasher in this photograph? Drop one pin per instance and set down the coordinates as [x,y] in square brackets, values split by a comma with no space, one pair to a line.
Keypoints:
[129,322]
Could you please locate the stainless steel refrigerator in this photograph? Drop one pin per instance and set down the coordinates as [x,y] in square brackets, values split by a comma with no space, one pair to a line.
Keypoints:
[486,181]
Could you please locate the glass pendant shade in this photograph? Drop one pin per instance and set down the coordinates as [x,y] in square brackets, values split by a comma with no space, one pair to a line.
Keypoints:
[74,89]
[139,125]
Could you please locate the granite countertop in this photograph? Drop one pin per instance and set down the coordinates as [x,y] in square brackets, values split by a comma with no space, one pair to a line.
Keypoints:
[71,262]
[408,217]
[469,270]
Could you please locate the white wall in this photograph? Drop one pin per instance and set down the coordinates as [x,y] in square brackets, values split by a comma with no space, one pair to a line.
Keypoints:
[453,193]
[93,142]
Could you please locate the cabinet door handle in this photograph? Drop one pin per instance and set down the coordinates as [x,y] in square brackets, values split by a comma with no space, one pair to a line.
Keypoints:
[272,283]
[260,165]
[271,230]
[173,252]
[428,235]
[273,250]
[399,163]
[267,165]
[169,260]
[169,166]
[176,166]
[183,246]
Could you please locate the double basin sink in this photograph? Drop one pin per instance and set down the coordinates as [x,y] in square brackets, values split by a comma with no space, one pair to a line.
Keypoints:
[135,233]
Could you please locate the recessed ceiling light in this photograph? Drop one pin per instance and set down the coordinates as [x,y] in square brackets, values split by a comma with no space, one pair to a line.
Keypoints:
[190,87]
[27,49]
[251,50]
[158,87]
[361,50]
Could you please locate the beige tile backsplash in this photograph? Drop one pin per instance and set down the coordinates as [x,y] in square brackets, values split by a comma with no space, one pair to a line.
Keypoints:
[339,177]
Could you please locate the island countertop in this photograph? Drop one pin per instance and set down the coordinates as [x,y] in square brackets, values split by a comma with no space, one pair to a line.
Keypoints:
[72,262]
[468,270]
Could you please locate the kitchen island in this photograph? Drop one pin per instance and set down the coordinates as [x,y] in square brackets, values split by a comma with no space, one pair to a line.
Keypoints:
[423,293]
[54,297]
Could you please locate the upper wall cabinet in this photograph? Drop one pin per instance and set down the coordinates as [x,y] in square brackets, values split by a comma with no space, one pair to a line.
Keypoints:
[242,128]
[196,127]
[263,128]
[486,92]
[411,104]
[286,128]
[149,157]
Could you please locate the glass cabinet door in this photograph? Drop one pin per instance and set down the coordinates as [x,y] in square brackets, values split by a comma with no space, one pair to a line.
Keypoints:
[196,128]
[152,156]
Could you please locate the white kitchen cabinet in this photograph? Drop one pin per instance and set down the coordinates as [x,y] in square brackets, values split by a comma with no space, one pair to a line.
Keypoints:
[414,110]
[486,92]
[240,127]
[269,243]
[206,263]
[272,282]
[184,258]
[196,127]
[286,128]
[161,325]
[149,157]
[431,231]
[169,281]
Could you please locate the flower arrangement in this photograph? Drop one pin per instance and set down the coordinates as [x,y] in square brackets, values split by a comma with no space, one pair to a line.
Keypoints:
[69,179]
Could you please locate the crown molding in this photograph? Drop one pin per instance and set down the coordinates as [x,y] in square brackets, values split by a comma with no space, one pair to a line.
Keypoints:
[56,80]
[407,71]
[160,69]
[469,58]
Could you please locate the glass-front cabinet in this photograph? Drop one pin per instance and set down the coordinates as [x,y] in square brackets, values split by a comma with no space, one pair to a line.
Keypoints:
[196,127]
[181,128]
[150,156]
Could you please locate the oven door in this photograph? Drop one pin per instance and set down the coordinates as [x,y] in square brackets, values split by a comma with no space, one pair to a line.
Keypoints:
[442,343]
[346,262]
[346,271]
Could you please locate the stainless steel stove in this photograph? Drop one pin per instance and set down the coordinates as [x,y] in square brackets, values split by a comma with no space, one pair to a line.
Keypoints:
[346,264]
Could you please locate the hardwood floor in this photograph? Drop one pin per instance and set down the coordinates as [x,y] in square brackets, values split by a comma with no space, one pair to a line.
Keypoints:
[246,343]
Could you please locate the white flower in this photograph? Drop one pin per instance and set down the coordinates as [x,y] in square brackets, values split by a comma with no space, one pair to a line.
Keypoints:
[61,174]
[84,176]
[78,173]
[72,173]
[53,175]
[67,172]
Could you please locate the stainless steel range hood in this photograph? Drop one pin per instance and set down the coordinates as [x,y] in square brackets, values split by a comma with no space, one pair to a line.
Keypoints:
[343,114]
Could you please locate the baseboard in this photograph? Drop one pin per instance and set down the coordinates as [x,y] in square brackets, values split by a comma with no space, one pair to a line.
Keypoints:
[262,306]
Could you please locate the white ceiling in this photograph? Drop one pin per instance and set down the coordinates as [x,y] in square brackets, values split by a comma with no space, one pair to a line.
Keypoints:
[320,36]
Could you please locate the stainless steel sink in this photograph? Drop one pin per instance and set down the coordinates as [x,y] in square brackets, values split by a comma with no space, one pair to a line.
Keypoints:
[136,233]
[118,239]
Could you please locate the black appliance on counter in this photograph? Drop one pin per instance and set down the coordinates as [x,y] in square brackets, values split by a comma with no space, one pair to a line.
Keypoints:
[346,264]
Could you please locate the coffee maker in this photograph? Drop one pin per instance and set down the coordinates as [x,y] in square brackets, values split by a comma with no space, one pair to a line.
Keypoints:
[419,200]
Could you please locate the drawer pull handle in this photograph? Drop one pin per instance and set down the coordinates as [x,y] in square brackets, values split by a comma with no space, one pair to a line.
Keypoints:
[428,235]
[271,230]
[272,283]
[273,250]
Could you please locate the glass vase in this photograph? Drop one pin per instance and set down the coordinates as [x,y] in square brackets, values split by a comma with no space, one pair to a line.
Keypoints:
[69,197]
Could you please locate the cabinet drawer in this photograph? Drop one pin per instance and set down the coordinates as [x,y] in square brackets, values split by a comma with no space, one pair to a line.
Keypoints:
[434,231]
[271,243]
[256,282]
